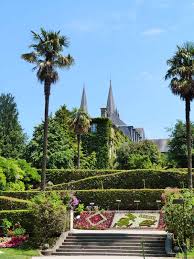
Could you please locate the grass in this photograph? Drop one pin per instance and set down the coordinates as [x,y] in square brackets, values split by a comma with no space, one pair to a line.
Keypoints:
[190,254]
[17,253]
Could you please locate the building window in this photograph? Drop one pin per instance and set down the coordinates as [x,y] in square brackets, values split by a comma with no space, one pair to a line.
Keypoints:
[94,128]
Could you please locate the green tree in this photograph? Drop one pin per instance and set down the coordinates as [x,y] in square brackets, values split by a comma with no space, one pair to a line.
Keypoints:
[80,122]
[143,154]
[47,57]
[181,74]
[178,144]
[12,138]
[61,146]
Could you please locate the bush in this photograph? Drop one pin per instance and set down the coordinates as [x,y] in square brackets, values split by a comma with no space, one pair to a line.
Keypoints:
[106,199]
[10,203]
[128,180]
[17,175]
[49,216]
[178,217]
[23,216]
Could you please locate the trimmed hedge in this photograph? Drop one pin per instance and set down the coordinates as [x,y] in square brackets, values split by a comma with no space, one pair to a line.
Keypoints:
[106,199]
[25,217]
[10,203]
[26,195]
[58,176]
[156,179]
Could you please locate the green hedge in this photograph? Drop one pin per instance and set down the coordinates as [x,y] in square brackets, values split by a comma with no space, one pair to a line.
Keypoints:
[156,179]
[57,176]
[25,218]
[10,203]
[25,195]
[106,199]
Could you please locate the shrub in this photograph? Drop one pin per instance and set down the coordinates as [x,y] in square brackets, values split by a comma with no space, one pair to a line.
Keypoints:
[49,215]
[128,180]
[8,203]
[17,175]
[21,216]
[178,217]
[106,199]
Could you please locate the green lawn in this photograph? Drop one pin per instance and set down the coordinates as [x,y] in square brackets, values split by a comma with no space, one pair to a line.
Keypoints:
[189,255]
[17,253]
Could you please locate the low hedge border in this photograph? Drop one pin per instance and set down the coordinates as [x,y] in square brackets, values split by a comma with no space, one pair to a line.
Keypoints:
[106,199]
[25,217]
[8,203]
[159,179]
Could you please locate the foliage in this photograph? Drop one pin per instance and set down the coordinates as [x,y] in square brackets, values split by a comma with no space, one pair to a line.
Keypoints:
[132,179]
[107,198]
[178,144]
[17,175]
[178,217]
[143,154]
[60,147]
[22,216]
[49,215]
[12,138]
[8,203]
[180,73]
[98,142]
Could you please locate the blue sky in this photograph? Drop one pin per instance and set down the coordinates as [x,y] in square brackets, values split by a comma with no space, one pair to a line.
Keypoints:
[129,40]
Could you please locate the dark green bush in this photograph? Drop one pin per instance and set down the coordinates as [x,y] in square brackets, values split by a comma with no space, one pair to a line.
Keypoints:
[106,199]
[49,215]
[25,217]
[134,179]
[10,203]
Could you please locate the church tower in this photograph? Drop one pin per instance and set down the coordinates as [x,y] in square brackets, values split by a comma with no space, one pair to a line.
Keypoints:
[110,102]
[83,105]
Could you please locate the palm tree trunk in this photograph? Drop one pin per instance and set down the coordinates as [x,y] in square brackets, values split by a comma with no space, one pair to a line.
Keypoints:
[189,146]
[78,150]
[47,87]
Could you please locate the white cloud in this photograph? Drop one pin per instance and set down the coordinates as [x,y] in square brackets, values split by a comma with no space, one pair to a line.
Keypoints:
[153,32]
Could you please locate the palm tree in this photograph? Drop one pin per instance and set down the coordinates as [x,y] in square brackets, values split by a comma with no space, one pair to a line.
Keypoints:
[47,56]
[80,123]
[181,73]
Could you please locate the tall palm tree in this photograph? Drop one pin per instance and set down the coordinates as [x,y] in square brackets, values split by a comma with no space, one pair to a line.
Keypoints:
[80,123]
[47,56]
[181,73]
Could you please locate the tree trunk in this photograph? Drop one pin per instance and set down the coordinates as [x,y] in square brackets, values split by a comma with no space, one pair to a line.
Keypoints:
[47,87]
[78,150]
[189,144]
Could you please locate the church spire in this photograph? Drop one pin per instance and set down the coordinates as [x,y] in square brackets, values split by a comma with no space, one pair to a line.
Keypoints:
[83,105]
[110,102]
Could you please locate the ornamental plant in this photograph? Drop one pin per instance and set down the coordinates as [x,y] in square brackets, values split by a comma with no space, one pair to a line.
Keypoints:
[178,217]
[49,217]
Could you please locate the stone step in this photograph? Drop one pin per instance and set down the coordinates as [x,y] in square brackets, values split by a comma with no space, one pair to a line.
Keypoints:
[104,239]
[105,246]
[108,254]
[134,250]
[116,234]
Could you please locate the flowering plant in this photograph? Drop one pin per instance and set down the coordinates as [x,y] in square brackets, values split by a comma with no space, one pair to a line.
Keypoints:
[93,220]
[12,242]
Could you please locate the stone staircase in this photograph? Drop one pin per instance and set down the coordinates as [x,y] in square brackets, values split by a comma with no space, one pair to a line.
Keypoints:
[113,244]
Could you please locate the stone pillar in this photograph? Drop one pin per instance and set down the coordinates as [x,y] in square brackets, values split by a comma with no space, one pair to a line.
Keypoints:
[103,112]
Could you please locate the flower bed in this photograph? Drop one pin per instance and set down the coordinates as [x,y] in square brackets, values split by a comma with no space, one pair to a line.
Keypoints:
[94,220]
[8,242]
